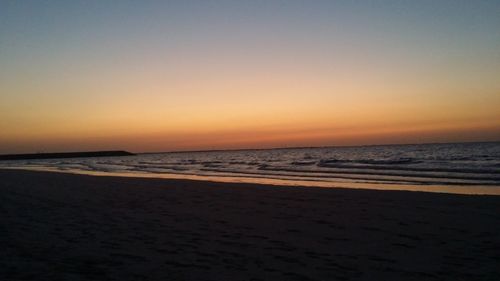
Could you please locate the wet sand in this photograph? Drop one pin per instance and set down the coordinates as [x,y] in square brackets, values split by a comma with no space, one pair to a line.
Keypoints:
[57,226]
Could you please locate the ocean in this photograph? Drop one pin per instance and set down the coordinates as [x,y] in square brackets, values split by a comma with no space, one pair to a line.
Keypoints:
[471,168]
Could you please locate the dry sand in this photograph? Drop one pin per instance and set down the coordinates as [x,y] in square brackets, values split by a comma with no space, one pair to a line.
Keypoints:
[73,227]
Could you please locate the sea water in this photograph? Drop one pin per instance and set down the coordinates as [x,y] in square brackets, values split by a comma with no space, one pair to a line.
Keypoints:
[462,167]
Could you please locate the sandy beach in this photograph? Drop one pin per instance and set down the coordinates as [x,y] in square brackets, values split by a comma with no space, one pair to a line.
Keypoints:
[57,226]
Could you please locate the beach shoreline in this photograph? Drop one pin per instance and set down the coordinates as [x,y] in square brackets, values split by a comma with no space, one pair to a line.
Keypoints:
[432,188]
[58,226]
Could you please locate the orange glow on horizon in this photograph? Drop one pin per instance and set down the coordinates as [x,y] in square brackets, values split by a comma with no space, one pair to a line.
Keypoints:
[266,137]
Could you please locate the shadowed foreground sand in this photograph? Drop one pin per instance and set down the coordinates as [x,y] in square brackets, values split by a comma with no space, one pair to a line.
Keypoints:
[74,227]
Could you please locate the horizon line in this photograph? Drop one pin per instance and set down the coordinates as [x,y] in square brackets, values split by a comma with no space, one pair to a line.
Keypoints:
[308,147]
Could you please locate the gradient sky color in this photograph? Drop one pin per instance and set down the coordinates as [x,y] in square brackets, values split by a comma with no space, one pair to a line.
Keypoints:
[191,75]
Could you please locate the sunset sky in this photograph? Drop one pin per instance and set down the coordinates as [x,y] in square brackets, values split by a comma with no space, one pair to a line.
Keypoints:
[191,75]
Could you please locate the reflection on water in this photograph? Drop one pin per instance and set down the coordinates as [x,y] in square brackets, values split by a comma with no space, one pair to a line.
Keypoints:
[469,168]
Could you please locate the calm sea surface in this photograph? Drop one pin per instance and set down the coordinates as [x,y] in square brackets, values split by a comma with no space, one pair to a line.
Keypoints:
[456,168]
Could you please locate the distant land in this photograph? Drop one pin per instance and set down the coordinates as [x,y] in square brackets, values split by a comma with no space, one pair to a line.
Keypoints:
[65,155]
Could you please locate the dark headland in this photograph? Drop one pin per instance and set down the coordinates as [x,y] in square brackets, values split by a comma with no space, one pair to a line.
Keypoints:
[65,155]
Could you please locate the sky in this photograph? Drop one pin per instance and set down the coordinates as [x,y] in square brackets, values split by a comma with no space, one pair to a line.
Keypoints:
[150,76]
